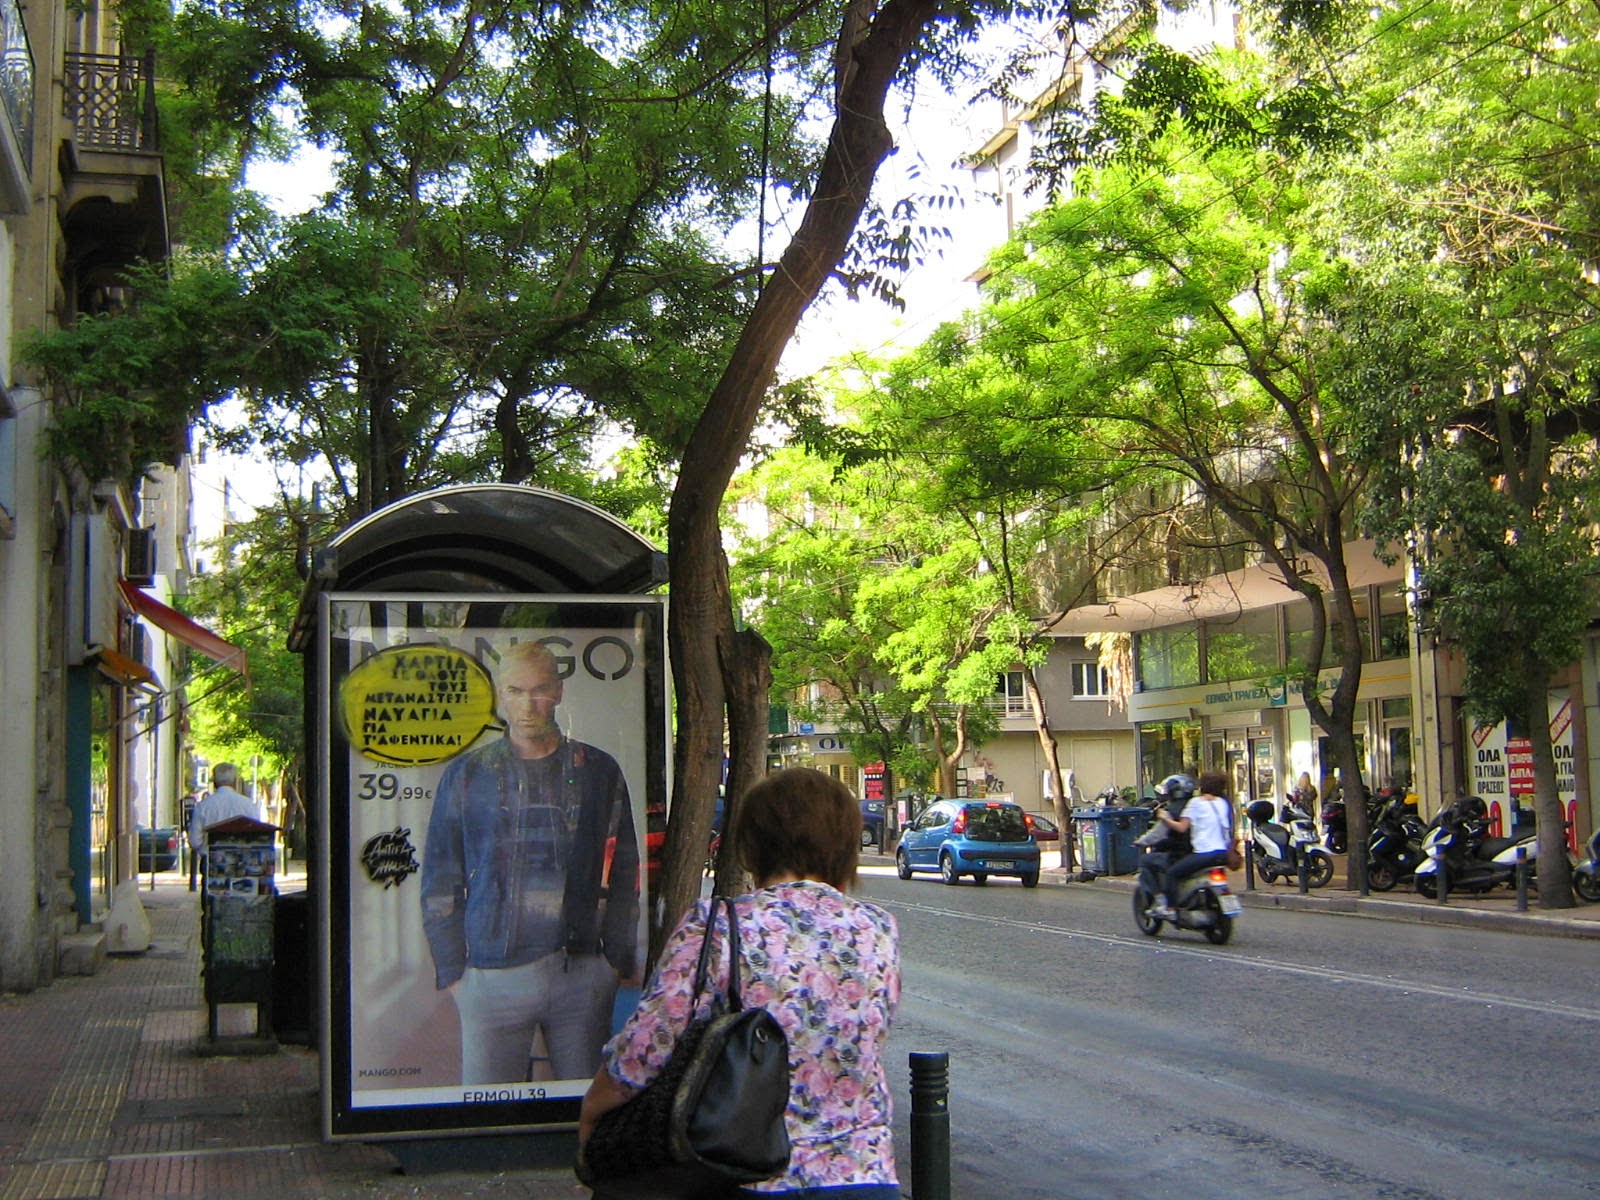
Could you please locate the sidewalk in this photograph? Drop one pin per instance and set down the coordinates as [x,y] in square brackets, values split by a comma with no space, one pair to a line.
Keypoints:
[104,1093]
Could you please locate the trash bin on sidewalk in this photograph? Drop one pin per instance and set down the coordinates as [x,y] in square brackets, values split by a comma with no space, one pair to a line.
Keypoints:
[1091,847]
[1118,829]
[1106,838]
[292,982]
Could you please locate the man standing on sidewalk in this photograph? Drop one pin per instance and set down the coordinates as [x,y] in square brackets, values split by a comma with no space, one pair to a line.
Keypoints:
[223,803]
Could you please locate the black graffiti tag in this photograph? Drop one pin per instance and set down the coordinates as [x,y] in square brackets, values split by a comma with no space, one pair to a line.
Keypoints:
[389,857]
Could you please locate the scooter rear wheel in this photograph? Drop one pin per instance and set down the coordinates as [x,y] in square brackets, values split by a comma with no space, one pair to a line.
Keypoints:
[1148,925]
[1587,885]
[1382,876]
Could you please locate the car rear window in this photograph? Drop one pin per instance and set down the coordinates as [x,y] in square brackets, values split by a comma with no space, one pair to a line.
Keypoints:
[1002,823]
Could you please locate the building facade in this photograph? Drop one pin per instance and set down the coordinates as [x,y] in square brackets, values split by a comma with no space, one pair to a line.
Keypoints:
[91,735]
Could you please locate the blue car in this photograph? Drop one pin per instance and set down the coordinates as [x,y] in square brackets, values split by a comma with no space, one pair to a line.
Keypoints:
[970,837]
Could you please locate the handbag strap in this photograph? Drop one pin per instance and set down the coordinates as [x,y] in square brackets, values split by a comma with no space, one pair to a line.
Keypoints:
[702,967]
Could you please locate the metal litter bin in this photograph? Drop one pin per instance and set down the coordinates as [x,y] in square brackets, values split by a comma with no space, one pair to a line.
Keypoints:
[1086,828]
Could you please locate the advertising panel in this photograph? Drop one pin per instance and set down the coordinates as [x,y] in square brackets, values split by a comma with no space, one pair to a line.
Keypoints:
[490,766]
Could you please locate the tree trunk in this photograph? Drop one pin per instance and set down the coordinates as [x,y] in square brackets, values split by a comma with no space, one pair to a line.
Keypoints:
[700,611]
[747,680]
[1555,872]
[1052,762]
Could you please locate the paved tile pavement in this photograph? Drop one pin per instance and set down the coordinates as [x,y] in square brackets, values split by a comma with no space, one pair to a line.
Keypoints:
[105,1092]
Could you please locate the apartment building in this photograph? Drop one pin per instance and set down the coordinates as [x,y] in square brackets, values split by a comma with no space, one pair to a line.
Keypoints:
[89,650]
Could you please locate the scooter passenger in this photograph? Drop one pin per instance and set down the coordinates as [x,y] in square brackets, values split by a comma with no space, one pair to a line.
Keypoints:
[1207,819]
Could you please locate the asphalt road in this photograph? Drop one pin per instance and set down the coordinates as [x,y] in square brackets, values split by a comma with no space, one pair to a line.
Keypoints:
[1315,1056]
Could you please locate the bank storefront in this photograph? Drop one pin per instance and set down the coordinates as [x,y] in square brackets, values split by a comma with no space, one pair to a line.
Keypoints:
[1261,736]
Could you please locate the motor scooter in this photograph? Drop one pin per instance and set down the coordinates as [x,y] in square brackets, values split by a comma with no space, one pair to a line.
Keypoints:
[1279,848]
[1458,842]
[1395,850]
[1204,900]
[1586,875]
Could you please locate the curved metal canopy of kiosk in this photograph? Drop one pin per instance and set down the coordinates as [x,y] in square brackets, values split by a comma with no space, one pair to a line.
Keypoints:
[485,537]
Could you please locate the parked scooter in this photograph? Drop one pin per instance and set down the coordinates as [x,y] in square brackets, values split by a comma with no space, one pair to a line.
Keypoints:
[1204,900]
[1473,862]
[1586,875]
[1395,850]
[1279,848]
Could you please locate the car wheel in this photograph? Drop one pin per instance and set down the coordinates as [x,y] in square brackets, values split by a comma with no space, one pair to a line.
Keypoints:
[902,864]
[866,836]
[980,877]
[1030,879]
[947,869]
[1148,925]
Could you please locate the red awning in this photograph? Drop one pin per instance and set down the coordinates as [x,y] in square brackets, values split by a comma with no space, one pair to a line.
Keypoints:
[175,624]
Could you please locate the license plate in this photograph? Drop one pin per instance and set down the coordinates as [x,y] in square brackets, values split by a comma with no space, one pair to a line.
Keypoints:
[1230,905]
[999,864]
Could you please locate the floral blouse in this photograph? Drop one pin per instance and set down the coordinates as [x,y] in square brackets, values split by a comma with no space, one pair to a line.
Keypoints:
[828,967]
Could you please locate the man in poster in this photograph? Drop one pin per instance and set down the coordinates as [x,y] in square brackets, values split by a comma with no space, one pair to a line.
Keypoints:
[530,885]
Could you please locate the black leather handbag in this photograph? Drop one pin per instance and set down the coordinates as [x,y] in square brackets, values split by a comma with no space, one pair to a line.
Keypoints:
[712,1119]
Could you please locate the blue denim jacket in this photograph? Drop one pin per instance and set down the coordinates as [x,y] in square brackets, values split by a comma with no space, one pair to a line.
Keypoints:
[472,887]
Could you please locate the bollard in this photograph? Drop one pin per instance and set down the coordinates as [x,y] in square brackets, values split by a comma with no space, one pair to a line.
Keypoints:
[1250,865]
[1303,872]
[1443,895]
[930,1125]
[1522,879]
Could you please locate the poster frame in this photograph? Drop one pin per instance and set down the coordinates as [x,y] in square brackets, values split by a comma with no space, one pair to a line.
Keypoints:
[335,863]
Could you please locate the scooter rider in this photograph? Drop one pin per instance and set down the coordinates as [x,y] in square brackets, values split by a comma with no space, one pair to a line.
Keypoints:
[1207,819]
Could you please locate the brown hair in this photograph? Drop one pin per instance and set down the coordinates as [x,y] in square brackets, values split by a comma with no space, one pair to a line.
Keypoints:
[1214,783]
[801,821]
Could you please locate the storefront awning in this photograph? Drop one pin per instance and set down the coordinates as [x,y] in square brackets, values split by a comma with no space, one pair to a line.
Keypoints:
[120,669]
[190,633]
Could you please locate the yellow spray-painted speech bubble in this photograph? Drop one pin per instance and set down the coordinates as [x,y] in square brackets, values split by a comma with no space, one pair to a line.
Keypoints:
[415,705]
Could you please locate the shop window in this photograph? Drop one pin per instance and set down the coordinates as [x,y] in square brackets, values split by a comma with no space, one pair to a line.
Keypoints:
[1169,657]
[1298,618]
[1167,748]
[1244,648]
[1394,626]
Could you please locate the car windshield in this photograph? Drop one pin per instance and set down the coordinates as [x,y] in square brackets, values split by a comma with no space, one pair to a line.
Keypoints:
[1001,823]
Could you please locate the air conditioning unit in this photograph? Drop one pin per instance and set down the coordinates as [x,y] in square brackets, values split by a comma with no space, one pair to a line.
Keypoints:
[140,566]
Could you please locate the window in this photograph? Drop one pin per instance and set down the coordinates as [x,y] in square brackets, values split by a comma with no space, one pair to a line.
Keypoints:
[1010,696]
[1244,648]
[1169,657]
[1089,681]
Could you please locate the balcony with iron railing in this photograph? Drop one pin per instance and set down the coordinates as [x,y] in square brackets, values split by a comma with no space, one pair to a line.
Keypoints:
[111,101]
[16,99]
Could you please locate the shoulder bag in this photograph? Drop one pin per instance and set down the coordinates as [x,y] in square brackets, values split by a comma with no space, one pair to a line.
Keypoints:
[1235,854]
[712,1118]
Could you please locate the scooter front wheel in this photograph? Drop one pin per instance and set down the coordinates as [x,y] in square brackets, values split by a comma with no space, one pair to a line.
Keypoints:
[1381,875]
[1587,885]
[1428,886]
[1319,869]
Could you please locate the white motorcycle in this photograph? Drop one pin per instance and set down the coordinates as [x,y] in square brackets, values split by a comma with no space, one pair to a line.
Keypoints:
[1279,848]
